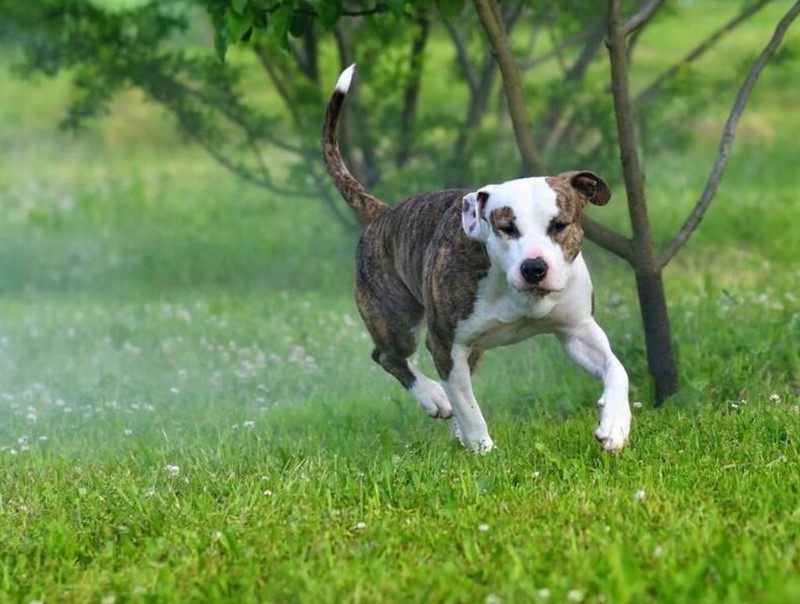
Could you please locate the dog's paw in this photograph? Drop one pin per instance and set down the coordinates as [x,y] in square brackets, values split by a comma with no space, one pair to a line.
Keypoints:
[432,398]
[481,445]
[614,427]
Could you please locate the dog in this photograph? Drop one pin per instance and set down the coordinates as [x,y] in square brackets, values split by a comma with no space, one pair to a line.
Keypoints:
[478,269]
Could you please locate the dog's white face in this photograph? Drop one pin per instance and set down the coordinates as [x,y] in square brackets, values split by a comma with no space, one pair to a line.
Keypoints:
[531,226]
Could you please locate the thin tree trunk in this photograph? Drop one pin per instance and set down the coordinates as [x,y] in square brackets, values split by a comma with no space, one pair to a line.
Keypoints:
[411,98]
[657,334]
[481,85]
[488,14]
[652,301]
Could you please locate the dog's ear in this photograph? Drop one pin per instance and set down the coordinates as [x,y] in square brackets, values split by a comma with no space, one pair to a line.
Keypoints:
[590,186]
[472,219]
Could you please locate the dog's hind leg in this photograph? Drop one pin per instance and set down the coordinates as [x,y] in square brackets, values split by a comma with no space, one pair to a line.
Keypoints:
[429,394]
[395,331]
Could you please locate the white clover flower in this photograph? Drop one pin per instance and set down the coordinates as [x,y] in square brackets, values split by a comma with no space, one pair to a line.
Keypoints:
[775,398]
[174,390]
[267,493]
[536,474]
[637,404]
[249,424]
[575,595]
[639,495]
[360,525]
[109,599]
[543,593]
[483,527]
[127,431]
[493,599]
[172,470]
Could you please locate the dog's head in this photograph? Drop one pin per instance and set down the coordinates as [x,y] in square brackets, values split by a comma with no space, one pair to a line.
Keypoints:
[531,226]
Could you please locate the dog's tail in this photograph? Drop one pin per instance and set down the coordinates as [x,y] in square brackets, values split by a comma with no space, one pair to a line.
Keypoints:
[365,205]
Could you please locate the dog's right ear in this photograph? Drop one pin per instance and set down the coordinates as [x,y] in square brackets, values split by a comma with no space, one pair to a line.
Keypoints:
[472,219]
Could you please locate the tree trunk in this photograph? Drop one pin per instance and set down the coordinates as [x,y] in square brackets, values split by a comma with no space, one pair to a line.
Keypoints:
[657,334]
[488,11]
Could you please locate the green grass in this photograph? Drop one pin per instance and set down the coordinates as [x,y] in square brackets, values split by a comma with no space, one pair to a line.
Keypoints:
[155,312]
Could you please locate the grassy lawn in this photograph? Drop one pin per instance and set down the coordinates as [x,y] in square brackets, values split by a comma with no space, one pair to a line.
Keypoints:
[190,413]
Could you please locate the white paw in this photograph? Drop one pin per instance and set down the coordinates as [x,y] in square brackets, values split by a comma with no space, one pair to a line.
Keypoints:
[432,398]
[481,445]
[614,426]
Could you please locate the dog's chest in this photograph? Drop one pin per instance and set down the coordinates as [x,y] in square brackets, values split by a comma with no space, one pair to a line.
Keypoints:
[500,318]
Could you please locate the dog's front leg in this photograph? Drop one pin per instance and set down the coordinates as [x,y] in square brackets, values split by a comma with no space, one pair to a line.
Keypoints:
[588,346]
[471,426]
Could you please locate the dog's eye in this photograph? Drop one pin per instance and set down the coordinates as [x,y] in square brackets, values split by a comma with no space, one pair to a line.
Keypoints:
[509,230]
[557,226]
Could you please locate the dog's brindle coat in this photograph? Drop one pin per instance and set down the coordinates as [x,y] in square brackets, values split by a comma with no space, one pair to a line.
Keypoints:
[479,269]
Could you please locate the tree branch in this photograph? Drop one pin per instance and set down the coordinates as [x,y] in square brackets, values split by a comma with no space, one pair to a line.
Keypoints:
[642,17]
[487,12]
[462,56]
[609,240]
[554,123]
[311,166]
[526,64]
[408,117]
[642,241]
[379,8]
[480,92]
[646,94]
[728,136]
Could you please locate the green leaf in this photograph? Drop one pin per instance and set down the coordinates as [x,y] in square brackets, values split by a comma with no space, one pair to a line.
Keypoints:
[329,12]
[280,22]
[238,25]
[450,9]
[260,19]
[221,41]
[301,22]
[239,6]
[396,7]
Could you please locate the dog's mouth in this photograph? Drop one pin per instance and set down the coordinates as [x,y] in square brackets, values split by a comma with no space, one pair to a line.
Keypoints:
[537,290]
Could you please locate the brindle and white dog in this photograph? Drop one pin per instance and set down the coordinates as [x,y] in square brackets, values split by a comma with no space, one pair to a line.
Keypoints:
[479,269]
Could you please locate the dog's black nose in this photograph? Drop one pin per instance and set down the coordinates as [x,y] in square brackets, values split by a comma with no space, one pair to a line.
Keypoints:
[533,270]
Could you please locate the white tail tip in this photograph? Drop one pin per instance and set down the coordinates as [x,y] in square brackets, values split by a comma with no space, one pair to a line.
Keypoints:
[343,85]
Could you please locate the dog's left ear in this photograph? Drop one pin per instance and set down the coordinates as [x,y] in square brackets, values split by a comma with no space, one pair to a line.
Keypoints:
[472,220]
[590,186]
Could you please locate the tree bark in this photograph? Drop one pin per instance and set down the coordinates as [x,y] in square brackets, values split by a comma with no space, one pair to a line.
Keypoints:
[649,283]
[411,97]
[488,13]
[657,333]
